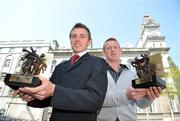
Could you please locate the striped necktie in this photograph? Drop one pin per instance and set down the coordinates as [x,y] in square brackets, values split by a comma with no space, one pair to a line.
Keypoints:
[74,58]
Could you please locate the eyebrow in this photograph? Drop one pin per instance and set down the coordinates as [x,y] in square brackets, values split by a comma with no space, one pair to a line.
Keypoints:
[76,34]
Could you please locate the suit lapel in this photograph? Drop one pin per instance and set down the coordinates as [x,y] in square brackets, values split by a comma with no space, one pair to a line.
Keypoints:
[78,62]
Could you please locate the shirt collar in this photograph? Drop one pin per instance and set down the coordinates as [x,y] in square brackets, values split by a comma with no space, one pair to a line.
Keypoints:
[121,65]
[82,53]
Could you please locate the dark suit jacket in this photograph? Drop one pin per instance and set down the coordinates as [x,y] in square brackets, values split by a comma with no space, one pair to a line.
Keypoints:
[80,90]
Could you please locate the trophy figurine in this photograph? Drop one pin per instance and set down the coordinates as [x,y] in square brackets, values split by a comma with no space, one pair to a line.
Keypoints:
[148,70]
[32,64]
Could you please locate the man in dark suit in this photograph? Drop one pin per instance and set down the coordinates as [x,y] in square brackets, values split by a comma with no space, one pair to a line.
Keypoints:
[75,91]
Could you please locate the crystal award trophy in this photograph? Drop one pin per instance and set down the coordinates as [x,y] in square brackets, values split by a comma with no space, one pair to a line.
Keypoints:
[148,70]
[32,64]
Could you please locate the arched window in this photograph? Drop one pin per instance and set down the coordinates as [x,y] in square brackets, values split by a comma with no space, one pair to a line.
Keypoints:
[8,61]
[7,65]
[174,105]
[152,108]
[19,64]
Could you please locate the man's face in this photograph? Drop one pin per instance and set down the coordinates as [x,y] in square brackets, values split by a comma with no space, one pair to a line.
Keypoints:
[79,40]
[112,51]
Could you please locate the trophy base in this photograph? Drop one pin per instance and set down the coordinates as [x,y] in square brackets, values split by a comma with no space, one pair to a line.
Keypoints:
[15,81]
[149,81]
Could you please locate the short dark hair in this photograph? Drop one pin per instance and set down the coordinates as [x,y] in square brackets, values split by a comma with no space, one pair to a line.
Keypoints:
[110,39]
[80,25]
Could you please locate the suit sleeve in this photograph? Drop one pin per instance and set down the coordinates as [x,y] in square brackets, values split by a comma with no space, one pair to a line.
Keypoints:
[39,103]
[88,99]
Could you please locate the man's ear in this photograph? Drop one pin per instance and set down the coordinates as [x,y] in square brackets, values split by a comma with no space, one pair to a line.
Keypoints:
[103,53]
[90,43]
[120,51]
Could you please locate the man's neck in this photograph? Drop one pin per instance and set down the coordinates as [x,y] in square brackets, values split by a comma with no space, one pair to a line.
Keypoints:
[114,65]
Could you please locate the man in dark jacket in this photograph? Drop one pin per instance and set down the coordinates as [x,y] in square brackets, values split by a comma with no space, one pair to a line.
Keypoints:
[77,87]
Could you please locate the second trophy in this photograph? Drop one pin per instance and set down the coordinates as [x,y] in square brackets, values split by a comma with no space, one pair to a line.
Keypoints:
[148,70]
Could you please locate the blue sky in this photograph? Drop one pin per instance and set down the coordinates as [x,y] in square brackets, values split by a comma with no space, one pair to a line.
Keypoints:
[53,19]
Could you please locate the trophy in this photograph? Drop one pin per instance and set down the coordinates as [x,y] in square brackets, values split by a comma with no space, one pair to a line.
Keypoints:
[148,70]
[32,64]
